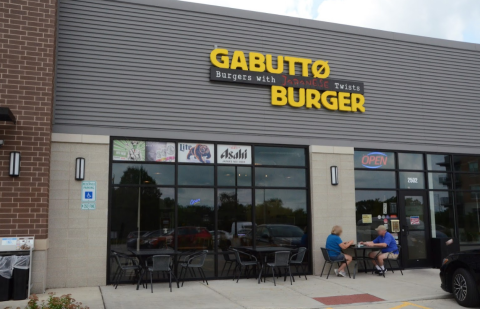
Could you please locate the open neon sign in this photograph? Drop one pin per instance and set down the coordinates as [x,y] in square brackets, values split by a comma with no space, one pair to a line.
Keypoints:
[374,160]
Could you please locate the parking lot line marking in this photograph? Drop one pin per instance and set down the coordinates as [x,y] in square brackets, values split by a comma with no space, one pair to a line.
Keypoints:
[406,304]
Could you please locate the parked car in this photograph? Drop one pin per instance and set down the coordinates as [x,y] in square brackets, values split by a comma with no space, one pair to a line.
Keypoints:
[240,226]
[135,234]
[278,235]
[460,275]
[189,237]
[145,239]
[223,237]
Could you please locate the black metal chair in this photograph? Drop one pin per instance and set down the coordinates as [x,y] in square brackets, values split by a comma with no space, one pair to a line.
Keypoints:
[396,260]
[327,258]
[282,260]
[376,259]
[192,262]
[244,264]
[161,263]
[297,261]
[131,264]
[227,256]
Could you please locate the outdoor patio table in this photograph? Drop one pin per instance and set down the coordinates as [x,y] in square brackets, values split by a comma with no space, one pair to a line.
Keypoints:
[143,255]
[262,253]
[360,255]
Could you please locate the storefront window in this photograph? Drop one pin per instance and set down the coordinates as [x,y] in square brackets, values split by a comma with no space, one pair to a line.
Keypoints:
[372,209]
[279,177]
[468,210]
[438,162]
[244,176]
[467,181]
[281,217]
[412,180]
[442,214]
[466,164]
[149,174]
[279,156]
[226,176]
[374,160]
[196,218]
[194,175]
[234,217]
[440,181]
[375,179]
[410,161]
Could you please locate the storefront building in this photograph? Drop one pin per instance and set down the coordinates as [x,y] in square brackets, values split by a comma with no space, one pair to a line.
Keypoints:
[199,128]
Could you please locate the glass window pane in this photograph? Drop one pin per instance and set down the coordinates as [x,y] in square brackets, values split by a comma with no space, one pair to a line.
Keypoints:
[374,179]
[196,218]
[279,156]
[412,180]
[153,174]
[157,218]
[468,210]
[467,181]
[234,217]
[279,177]
[466,163]
[440,181]
[410,161]
[195,175]
[374,160]
[438,162]
[441,213]
[369,205]
[281,217]
[226,176]
[158,174]
[244,176]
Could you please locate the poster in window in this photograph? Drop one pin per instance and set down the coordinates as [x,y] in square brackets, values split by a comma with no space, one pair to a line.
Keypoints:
[196,153]
[234,154]
[128,150]
[160,152]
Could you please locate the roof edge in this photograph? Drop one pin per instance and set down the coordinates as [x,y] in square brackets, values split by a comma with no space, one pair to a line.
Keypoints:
[309,23]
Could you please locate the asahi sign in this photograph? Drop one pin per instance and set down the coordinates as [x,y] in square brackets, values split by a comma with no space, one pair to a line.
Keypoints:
[313,89]
[234,154]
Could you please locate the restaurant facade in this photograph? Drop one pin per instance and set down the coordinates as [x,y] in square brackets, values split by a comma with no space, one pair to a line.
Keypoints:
[194,127]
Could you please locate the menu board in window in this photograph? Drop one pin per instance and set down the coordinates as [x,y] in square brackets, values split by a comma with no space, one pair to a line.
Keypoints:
[196,153]
[234,154]
[128,150]
[160,152]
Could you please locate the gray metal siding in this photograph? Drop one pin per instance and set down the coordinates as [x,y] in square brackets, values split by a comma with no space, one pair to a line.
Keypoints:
[117,62]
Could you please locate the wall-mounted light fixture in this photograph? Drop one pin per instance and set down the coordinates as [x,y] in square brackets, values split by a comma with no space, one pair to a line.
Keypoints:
[79,169]
[14,170]
[334,175]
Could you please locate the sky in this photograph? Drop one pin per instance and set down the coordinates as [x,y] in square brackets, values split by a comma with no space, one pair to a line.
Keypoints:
[457,20]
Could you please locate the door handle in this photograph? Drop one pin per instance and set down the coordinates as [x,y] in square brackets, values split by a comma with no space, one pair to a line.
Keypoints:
[405,229]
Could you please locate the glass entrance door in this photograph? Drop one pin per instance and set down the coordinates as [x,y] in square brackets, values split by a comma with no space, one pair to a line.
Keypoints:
[414,228]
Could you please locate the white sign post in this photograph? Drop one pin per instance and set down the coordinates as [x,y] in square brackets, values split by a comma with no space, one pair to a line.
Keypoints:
[89,194]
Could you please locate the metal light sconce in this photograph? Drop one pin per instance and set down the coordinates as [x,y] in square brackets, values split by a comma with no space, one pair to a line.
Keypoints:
[334,175]
[79,168]
[14,170]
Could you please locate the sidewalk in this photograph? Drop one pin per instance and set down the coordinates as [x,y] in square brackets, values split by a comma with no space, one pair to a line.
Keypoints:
[415,285]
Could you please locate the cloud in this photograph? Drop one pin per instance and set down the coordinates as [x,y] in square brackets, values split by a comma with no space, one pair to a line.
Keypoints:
[295,8]
[446,19]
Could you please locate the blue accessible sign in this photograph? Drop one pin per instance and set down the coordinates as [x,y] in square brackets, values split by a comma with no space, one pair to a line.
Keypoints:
[89,194]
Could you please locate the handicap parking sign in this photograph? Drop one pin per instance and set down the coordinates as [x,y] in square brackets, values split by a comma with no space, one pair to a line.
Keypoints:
[89,191]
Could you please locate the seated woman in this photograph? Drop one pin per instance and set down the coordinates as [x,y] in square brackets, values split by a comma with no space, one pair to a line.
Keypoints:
[335,245]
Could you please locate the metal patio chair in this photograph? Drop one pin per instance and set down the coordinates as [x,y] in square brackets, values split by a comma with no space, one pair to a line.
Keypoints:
[131,264]
[396,260]
[282,260]
[244,264]
[192,262]
[297,261]
[161,263]
[227,256]
[328,260]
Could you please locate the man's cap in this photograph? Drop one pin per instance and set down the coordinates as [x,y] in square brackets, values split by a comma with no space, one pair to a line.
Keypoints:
[381,228]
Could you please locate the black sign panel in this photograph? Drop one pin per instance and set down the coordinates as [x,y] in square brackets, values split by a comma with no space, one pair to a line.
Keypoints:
[269,79]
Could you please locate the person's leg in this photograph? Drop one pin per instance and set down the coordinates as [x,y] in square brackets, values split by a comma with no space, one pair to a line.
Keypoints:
[372,256]
[349,260]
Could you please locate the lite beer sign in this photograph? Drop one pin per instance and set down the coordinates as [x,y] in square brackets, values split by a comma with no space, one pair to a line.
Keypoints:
[313,89]
[374,160]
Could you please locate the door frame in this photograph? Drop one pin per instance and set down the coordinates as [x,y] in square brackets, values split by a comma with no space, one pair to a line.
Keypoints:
[407,263]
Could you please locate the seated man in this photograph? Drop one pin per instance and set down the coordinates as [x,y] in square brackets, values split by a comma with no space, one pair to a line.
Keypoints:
[389,249]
